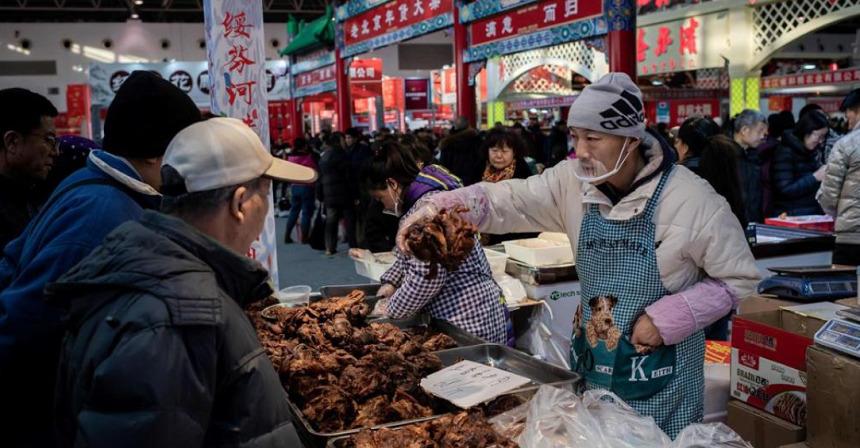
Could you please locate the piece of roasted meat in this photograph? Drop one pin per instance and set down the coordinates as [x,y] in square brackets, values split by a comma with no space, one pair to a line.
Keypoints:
[447,240]
[462,430]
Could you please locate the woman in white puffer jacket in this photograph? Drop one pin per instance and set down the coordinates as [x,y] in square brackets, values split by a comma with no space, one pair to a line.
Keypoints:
[659,254]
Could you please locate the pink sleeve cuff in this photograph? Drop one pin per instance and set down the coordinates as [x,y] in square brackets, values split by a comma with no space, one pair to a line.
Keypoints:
[678,316]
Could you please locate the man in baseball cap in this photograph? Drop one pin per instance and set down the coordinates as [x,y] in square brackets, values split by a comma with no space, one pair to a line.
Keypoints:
[159,308]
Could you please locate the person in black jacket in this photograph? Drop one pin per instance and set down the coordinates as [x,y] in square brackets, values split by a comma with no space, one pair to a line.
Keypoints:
[28,148]
[337,194]
[158,351]
[460,152]
[692,138]
[796,172]
[749,130]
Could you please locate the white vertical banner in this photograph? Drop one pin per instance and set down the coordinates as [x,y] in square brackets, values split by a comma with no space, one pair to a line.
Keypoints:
[235,49]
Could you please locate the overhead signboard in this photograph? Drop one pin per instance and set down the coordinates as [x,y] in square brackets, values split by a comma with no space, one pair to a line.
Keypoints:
[315,81]
[535,25]
[687,44]
[191,77]
[392,22]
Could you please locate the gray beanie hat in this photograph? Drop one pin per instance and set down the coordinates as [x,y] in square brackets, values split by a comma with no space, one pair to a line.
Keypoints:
[612,105]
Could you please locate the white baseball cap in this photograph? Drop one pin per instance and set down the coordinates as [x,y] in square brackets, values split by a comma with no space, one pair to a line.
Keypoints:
[222,152]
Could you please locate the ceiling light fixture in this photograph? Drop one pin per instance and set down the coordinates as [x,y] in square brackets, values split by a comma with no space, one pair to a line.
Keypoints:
[809,67]
[135,16]
[138,2]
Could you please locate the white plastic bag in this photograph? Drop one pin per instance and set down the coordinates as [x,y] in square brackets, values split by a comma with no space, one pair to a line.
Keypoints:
[542,342]
[556,418]
[710,435]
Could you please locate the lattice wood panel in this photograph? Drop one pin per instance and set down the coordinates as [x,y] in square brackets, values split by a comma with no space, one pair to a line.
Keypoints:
[577,53]
[773,20]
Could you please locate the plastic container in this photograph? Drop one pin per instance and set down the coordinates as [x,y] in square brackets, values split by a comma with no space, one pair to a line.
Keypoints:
[548,249]
[295,294]
[373,266]
[498,261]
[821,223]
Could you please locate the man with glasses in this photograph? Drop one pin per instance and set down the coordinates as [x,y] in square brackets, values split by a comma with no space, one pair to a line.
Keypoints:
[116,186]
[27,152]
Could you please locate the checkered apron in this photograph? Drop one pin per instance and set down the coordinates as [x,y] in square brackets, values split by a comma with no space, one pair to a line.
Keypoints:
[619,258]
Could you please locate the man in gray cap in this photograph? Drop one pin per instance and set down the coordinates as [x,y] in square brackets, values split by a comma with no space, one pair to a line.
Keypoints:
[159,352]
[659,254]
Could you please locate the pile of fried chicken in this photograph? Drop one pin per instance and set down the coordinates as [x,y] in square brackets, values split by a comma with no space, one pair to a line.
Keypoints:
[446,239]
[466,429]
[345,373]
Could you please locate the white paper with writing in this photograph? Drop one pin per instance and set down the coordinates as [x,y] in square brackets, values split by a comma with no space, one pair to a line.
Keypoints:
[468,383]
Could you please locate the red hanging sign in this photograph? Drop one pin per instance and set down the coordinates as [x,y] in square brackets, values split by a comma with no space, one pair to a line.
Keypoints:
[531,18]
[417,94]
[365,77]
[680,110]
[78,104]
[315,77]
[392,93]
[849,75]
[392,16]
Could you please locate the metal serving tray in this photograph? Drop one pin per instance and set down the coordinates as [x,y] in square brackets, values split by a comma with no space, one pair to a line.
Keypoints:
[460,336]
[511,360]
[526,392]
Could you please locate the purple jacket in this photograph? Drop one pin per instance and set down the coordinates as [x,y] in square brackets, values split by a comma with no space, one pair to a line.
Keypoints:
[303,160]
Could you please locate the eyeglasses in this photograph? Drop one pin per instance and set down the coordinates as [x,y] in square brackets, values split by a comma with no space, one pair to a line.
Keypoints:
[49,139]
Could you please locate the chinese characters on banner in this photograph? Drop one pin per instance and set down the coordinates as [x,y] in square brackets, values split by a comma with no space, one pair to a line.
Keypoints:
[78,107]
[365,77]
[314,77]
[392,93]
[680,45]
[238,83]
[531,18]
[811,79]
[680,110]
[449,86]
[392,16]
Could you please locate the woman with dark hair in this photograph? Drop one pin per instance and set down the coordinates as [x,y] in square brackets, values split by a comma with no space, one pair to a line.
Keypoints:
[692,138]
[468,297]
[304,199]
[795,171]
[335,193]
[505,152]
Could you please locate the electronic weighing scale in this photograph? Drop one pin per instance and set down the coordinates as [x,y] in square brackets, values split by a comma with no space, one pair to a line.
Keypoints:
[811,284]
[842,335]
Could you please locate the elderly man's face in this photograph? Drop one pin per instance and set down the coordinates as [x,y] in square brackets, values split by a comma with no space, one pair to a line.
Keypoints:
[251,208]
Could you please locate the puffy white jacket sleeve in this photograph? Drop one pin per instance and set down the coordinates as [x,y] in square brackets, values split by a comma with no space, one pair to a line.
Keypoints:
[536,204]
[834,178]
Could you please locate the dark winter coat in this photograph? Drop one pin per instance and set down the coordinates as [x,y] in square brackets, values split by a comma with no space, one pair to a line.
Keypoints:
[461,154]
[692,164]
[18,205]
[158,351]
[380,229]
[794,185]
[749,169]
[69,227]
[336,179]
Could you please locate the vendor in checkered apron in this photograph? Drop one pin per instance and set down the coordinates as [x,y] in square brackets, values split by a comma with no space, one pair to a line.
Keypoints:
[659,254]
[467,297]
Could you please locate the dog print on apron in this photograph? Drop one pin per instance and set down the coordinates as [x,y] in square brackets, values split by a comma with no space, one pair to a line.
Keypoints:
[618,272]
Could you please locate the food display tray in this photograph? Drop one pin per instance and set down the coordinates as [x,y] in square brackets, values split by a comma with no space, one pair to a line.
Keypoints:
[328,292]
[460,336]
[527,392]
[510,360]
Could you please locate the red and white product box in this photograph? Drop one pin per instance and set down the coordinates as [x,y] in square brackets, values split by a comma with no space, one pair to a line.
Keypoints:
[769,365]
[823,223]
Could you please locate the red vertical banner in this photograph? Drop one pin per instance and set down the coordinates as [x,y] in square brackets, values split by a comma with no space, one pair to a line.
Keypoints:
[365,77]
[78,107]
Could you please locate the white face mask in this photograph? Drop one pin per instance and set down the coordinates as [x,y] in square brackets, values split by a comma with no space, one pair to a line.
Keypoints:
[396,201]
[594,172]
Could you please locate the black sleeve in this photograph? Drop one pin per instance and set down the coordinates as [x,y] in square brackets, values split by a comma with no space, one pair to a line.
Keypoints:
[380,230]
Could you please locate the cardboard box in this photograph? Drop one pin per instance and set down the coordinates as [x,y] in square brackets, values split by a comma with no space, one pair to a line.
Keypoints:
[834,399]
[809,318]
[761,429]
[757,303]
[769,365]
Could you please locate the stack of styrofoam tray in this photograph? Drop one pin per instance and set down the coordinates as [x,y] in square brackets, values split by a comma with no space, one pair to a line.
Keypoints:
[548,249]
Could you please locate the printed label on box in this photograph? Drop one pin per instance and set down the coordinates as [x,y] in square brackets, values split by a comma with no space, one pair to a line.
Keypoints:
[770,386]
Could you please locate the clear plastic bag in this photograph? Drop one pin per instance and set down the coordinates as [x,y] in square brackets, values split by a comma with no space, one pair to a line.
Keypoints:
[556,418]
[542,342]
[710,435]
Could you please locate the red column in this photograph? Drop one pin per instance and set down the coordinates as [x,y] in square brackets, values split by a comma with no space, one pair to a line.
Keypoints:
[465,92]
[343,104]
[621,41]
